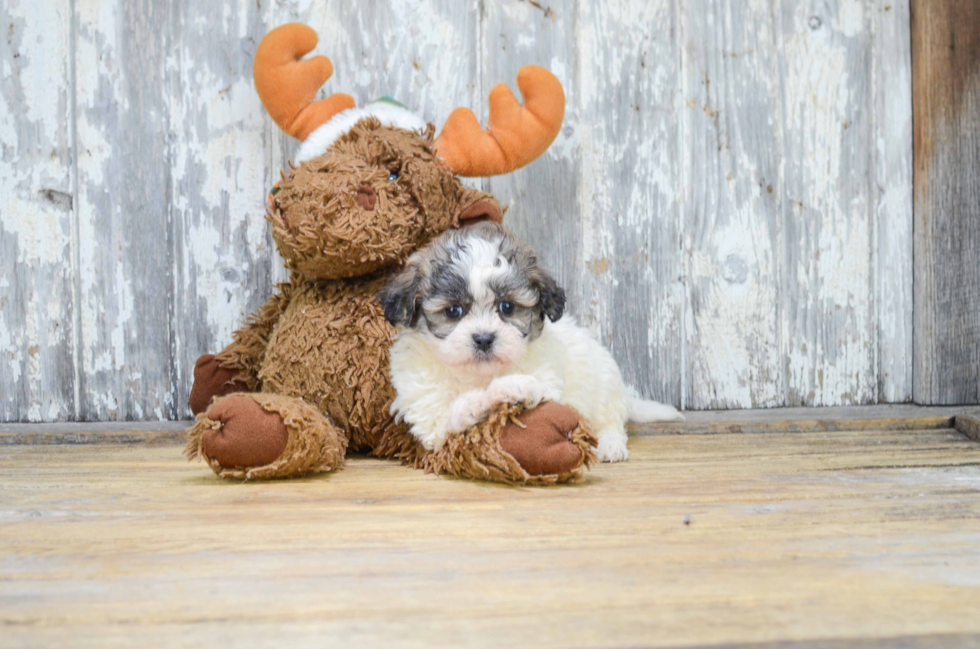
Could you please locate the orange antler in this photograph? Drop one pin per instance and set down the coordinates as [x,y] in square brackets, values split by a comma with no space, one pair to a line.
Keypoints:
[287,85]
[516,134]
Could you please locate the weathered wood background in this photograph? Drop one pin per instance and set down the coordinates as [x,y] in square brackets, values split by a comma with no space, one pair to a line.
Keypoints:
[729,202]
[946,76]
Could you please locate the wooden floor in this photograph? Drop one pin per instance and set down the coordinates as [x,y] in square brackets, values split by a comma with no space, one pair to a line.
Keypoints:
[865,538]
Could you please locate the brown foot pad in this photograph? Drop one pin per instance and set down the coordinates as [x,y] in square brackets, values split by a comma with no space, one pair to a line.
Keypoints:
[211,380]
[261,435]
[550,445]
[246,435]
[543,445]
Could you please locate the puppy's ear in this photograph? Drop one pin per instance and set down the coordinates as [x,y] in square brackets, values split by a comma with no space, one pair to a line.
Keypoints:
[400,298]
[551,297]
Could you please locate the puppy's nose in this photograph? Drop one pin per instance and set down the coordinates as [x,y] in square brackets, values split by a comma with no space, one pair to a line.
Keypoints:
[367,197]
[483,342]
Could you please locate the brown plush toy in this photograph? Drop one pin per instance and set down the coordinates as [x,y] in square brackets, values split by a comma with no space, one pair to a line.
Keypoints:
[306,379]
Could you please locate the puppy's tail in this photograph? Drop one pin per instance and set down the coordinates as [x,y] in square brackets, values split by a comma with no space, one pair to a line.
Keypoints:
[642,411]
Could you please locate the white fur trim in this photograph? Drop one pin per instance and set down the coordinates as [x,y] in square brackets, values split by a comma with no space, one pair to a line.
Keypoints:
[388,114]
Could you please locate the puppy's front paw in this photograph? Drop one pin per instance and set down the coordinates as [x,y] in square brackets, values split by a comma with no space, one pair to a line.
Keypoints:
[551,394]
[612,448]
[469,409]
[521,388]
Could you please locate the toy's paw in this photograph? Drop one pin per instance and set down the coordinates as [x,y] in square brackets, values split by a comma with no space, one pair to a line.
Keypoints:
[245,435]
[543,447]
[521,388]
[211,380]
[612,448]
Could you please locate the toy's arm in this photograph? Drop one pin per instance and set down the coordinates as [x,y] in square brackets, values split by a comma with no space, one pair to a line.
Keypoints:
[544,445]
[247,348]
[472,407]
[236,367]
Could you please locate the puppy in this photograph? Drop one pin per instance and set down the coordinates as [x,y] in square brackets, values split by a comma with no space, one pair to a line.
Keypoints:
[481,324]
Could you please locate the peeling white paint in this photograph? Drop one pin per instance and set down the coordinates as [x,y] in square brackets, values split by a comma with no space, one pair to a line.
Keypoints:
[35,212]
[39,229]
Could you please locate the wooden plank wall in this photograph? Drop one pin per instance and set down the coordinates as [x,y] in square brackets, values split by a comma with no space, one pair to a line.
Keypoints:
[38,336]
[946,48]
[729,202]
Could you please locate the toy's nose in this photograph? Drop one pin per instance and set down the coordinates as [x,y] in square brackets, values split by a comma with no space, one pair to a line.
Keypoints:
[483,342]
[367,198]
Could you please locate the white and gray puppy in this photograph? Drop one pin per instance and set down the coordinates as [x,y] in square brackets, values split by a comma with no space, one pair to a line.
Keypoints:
[481,324]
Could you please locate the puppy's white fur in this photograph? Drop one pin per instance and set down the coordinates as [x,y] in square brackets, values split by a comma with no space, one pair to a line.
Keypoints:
[564,365]
[443,387]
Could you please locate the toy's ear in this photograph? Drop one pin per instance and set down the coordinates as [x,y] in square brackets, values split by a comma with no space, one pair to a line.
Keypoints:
[475,206]
[401,298]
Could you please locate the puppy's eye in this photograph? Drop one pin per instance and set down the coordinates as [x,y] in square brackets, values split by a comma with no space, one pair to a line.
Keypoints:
[455,312]
[393,175]
[506,308]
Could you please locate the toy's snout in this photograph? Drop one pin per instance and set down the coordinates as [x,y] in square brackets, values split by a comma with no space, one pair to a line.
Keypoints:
[367,198]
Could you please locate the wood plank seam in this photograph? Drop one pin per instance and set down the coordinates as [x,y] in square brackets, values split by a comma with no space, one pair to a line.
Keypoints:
[794,426]
[76,264]
[173,432]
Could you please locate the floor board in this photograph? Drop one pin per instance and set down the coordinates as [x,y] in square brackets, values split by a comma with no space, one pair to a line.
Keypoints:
[831,539]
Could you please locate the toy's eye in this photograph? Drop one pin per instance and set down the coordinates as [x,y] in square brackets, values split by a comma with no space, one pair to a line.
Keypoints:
[506,308]
[393,175]
[455,312]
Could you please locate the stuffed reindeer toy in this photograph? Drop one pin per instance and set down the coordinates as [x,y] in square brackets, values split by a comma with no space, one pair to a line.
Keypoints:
[306,380]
